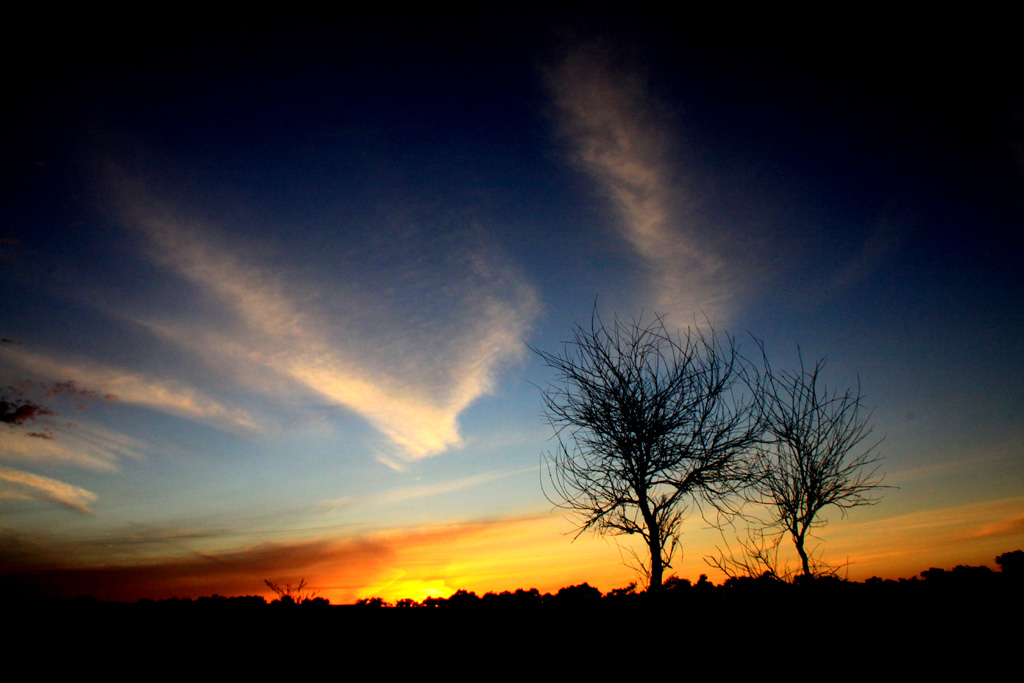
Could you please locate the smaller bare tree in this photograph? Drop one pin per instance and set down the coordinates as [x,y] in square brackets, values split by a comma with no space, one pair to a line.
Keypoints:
[813,456]
[758,554]
[291,595]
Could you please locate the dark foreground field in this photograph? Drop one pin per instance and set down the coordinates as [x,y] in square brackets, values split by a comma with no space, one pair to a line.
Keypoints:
[965,605]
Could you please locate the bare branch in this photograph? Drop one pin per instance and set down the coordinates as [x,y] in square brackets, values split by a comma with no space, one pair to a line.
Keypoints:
[646,422]
[291,595]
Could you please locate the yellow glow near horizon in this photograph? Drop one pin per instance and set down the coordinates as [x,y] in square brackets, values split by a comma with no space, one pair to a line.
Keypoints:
[528,552]
[534,552]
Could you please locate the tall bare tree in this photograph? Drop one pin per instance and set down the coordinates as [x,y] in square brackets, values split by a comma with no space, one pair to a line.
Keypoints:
[647,422]
[816,453]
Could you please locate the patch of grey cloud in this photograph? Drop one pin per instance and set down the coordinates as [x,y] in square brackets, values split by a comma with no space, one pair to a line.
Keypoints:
[624,139]
[881,242]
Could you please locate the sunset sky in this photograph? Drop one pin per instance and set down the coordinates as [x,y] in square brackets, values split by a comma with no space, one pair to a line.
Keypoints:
[308,258]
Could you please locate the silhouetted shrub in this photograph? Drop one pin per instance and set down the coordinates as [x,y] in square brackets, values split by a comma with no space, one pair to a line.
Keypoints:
[433,601]
[316,602]
[676,584]
[372,602]
[582,593]
[623,593]
[1012,564]
[463,598]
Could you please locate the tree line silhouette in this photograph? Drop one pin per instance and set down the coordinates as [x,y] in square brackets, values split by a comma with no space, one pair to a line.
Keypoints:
[932,586]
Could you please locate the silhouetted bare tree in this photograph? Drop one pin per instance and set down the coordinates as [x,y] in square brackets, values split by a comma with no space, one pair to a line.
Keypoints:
[758,555]
[291,595]
[813,454]
[646,422]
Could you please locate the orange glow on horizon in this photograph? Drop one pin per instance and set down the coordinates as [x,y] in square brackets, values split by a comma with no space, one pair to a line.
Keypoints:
[527,552]
[530,551]
[535,552]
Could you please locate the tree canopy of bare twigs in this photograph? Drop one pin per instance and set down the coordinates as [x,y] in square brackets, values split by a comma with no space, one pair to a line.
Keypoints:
[291,595]
[647,422]
[816,453]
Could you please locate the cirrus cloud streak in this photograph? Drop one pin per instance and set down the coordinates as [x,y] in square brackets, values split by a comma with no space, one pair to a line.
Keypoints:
[352,338]
[165,395]
[19,484]
[620,137]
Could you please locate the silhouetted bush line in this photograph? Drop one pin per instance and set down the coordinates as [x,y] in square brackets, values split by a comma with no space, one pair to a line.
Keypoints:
[963,587]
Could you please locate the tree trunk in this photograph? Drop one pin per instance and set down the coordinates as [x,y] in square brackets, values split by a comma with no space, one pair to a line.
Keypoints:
[653,545]
[657,569]
[798,540]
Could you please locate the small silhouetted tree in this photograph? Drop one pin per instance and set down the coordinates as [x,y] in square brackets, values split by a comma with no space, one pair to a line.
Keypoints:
[758,554]
[646,422]
[289,594]
[815,454]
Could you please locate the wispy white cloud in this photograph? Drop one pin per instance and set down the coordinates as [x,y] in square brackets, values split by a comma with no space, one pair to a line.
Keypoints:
[408,359]
[622,138]
[439,488]
[81,445]
[164,395]
[19,484]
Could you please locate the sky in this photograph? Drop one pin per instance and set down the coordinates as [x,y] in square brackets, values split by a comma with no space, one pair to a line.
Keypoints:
[299,265]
